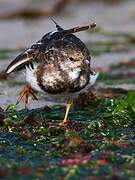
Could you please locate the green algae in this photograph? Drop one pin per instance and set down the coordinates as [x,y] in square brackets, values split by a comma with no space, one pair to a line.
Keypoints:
[7,53]
[97,140]
[121,73]
[105,47]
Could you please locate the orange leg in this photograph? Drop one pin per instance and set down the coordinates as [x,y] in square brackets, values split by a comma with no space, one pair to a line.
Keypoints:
[24,95]
[68,106]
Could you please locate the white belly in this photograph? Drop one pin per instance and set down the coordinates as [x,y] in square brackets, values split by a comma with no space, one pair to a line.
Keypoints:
[31,78]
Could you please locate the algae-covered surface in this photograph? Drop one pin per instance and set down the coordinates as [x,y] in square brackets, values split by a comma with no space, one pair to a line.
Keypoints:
[98,142]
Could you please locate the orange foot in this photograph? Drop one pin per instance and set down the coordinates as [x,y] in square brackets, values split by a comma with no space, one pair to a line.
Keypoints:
[24,95]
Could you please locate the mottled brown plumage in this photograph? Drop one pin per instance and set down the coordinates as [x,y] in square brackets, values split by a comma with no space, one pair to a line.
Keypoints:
[58,63]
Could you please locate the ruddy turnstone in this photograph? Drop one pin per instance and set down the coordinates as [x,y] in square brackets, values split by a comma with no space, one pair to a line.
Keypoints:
[57,65]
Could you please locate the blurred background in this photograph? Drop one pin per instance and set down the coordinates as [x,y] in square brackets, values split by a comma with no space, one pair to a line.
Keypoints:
[23,22]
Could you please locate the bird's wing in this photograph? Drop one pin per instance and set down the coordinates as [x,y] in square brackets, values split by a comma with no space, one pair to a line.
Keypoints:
[30,54]
[21,59]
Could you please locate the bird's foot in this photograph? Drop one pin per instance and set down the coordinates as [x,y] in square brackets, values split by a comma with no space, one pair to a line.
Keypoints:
[24,95]
[63,123]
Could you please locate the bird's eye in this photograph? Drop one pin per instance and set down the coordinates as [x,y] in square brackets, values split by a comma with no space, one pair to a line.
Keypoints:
[71,58]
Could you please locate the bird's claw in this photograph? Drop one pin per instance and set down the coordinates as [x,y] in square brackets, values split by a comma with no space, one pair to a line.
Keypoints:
[24,95]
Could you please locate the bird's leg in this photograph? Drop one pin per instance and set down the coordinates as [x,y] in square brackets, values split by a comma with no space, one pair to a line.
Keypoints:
[68,106]
[24,95]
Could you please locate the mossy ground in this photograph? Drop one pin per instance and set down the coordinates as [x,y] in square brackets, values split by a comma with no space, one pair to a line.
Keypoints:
[98,141]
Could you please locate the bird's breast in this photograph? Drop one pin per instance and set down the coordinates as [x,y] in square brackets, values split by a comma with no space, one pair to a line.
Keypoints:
[60,78]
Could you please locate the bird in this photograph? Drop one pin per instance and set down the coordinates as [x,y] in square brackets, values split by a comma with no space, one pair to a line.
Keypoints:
[57,65]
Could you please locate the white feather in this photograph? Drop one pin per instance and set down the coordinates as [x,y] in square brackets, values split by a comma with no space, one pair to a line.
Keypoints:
[74,74]
[93,78]
[92,81]
[38,43]
[31,77]
[52,33]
